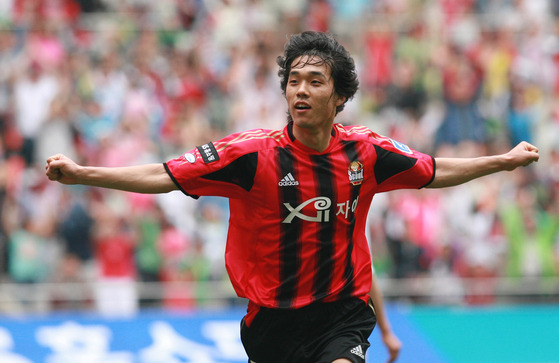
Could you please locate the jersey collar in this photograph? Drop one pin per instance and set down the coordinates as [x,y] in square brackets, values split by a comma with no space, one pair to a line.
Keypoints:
[292,137]
[295,142]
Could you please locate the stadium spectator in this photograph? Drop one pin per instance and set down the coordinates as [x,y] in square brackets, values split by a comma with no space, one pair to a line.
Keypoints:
[521,116]
[37,88]
[76,225]
[115,290]
[462,84]
[532,236]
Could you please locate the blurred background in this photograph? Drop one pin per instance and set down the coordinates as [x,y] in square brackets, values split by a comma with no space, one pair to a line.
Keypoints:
[122,82]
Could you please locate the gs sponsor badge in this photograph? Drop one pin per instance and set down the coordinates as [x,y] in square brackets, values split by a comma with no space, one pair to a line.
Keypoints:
[355,173]
[208,152]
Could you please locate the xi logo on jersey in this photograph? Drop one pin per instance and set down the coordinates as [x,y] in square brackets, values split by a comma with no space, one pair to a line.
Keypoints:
[319,210]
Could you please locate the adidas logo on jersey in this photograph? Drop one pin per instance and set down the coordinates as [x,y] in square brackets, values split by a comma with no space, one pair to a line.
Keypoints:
[358,351]
[288,181]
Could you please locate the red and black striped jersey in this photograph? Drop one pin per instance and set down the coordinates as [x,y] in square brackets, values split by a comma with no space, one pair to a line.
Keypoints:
[297,216]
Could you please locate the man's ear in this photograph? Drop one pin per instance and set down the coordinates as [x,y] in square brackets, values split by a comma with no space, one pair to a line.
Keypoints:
[340,100]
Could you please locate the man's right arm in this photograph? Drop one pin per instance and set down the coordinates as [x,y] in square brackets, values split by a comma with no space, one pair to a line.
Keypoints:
[147,178]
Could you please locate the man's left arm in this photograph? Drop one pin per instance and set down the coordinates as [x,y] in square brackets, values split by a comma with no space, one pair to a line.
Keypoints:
[454,171]
[390,340]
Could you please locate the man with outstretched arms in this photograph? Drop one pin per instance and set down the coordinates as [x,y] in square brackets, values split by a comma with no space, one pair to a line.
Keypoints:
[299,198]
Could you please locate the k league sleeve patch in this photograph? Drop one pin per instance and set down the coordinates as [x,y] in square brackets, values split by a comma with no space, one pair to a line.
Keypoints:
[208,152]
[402,147]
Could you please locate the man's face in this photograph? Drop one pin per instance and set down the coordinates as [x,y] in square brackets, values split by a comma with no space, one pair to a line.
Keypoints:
[310,94]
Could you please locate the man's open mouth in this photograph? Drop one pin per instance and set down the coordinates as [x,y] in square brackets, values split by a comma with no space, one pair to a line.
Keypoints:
[302,106]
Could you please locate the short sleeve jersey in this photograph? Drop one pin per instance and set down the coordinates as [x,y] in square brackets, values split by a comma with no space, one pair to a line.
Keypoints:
[297,216]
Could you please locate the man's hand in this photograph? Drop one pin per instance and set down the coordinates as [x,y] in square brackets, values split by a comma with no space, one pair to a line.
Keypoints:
[522,154]
[393,344]
[62,169]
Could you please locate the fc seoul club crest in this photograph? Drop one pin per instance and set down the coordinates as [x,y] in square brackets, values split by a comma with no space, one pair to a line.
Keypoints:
[355,172]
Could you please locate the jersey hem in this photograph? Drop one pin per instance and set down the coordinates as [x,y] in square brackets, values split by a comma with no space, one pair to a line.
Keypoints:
[434,171]
[177,183]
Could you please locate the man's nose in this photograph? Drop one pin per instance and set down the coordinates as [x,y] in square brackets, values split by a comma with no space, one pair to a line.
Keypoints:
[303,90]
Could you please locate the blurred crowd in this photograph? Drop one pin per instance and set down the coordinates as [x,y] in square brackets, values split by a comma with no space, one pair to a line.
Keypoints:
[123,82]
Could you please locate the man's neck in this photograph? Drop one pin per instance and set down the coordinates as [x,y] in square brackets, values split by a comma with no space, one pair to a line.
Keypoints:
[315,138]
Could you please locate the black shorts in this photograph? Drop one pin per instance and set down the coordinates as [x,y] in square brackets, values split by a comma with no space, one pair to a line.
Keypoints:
[318,333]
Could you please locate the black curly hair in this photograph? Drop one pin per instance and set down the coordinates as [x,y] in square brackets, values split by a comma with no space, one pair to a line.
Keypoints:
[321,48]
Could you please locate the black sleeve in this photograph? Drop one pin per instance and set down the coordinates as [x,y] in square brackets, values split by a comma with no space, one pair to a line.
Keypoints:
[390,163]
[240,172]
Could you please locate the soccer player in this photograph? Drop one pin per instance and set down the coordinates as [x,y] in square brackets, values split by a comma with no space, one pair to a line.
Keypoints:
[299,199]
